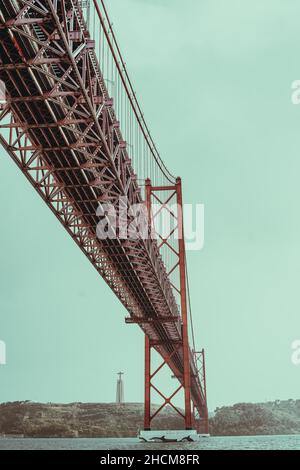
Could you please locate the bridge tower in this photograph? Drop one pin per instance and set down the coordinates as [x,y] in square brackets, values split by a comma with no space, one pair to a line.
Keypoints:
[165,195]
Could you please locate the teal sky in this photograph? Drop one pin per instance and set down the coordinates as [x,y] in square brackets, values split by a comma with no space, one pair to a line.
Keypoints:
[214,79]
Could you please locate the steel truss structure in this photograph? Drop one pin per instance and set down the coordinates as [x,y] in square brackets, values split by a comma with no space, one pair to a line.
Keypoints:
[60,127]
[165,195]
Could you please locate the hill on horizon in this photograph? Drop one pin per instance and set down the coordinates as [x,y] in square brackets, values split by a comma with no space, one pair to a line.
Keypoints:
[30,419]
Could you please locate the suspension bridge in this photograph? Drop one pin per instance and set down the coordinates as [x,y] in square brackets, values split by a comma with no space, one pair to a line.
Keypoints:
[72,123]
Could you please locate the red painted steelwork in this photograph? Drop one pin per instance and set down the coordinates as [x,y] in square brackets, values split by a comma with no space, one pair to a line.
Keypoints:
[60,127]
[185,377]
[185,339]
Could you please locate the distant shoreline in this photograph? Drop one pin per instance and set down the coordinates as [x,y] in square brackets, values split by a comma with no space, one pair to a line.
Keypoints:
[27,419]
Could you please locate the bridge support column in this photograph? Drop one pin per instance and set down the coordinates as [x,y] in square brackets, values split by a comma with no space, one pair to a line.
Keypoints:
[185,339]
[147,409]
[203,418]
[147,398]
[185,376]
[206,417]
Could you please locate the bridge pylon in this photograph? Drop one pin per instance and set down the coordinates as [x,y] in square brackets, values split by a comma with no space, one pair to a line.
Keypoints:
[165,195]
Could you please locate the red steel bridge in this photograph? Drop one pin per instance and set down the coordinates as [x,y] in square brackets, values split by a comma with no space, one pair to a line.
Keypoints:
[71,121]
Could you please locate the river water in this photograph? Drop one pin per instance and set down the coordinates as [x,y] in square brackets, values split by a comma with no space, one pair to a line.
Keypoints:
[211,443]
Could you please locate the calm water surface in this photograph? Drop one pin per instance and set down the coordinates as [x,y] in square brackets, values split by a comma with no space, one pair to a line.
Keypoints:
[211,443]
